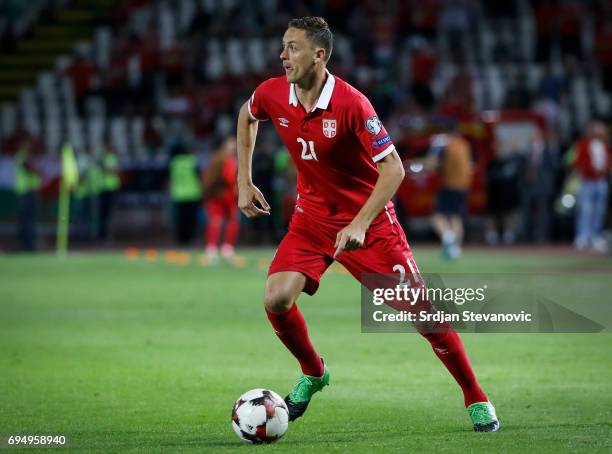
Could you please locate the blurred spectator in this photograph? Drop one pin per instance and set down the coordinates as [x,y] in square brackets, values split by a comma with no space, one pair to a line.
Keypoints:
[263,176]
[452,157]
[593,164]
[546,14]
[459,96]
[603,44]
[518,95]
[422,17]
[86,195]
[81,74]
[500,10]
[422,66]
[504,180]
[456,18]
[110,185]
[569,19]
[284,190]
[27,185]
[538,188]
[185,192]
[219,186]
[551,85]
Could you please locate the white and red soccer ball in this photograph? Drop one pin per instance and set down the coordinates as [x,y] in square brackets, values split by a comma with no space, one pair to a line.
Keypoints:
[260,416]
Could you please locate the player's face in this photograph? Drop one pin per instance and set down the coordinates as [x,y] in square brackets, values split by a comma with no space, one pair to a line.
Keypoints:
[298,55]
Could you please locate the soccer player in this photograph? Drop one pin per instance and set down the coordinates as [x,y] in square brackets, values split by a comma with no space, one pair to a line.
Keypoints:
[348,170]
[219,188]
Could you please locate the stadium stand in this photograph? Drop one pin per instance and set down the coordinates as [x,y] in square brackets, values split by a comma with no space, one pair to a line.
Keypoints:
[148,73]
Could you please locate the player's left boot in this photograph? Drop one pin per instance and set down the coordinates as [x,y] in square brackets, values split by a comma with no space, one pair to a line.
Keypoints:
[298,399]
[483,417]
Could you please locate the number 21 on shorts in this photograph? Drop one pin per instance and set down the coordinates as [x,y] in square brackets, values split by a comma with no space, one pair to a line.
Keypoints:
[414,278]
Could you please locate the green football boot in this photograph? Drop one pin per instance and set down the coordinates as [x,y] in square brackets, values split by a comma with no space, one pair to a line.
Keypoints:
[298,399]
[483,417]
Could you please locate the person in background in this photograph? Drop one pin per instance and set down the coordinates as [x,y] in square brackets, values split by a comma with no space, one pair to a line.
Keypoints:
[219,189]
[86,195]
[538,188]
[27,185]
[422,66]
[504,180]
[185,192]
[284,193]
[109,186]
[451,155]
[593,164]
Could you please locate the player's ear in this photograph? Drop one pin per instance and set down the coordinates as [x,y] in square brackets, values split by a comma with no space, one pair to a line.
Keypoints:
[320,55]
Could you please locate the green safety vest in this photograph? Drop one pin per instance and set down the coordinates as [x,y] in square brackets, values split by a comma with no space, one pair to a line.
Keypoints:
[184,180]
[110,178]
[25,180]
[95,175]
[92,177]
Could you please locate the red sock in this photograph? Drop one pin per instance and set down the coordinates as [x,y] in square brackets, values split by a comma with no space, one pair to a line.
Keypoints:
[231,229]
[213,232]
[291,329]
[448,347]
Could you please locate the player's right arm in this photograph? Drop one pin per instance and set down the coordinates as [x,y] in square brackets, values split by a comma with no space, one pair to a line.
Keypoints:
[248,193]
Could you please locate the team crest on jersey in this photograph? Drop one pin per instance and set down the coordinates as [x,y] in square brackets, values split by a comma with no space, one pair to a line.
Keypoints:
[329,128]
[373,125]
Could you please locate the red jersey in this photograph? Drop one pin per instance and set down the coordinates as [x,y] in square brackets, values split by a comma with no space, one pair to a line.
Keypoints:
[335,146]
[593,159]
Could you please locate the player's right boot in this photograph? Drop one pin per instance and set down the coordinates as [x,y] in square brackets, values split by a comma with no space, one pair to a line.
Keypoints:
[483,417]
[298,399]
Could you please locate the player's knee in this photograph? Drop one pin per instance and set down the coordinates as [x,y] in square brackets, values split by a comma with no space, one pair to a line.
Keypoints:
[278,298]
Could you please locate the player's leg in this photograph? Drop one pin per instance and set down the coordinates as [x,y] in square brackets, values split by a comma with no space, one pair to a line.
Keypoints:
[387,251]
[214,215]
[442,223]
[282,291]
[456,223]
[459,211]
[232,226]
[584,212]
[297,267]
[600,204]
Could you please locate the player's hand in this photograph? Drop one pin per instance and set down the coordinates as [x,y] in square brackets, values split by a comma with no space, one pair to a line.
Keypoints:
[247,196]
[349,238]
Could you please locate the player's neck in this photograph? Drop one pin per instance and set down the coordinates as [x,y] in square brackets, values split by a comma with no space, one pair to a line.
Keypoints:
[309,88]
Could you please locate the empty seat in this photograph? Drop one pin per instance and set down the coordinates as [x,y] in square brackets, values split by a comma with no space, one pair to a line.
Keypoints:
[235,58]
[8,119]
[255,55]
[118,134]
[75,133]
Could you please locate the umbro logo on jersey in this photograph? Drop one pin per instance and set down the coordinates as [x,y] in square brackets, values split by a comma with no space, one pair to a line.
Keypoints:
[329,128]
[283,122]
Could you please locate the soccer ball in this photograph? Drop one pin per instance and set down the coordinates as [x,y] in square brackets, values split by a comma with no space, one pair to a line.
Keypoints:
[260,416]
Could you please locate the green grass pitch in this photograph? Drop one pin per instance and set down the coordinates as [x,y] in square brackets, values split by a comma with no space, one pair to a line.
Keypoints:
[132,356]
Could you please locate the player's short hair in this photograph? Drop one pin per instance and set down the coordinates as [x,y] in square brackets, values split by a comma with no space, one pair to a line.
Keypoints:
[317,31]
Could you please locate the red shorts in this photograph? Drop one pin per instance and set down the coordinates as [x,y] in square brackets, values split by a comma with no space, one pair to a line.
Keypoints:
[222,207]
[308,248]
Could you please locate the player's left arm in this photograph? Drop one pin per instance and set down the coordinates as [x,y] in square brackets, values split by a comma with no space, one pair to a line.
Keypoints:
[390,175]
